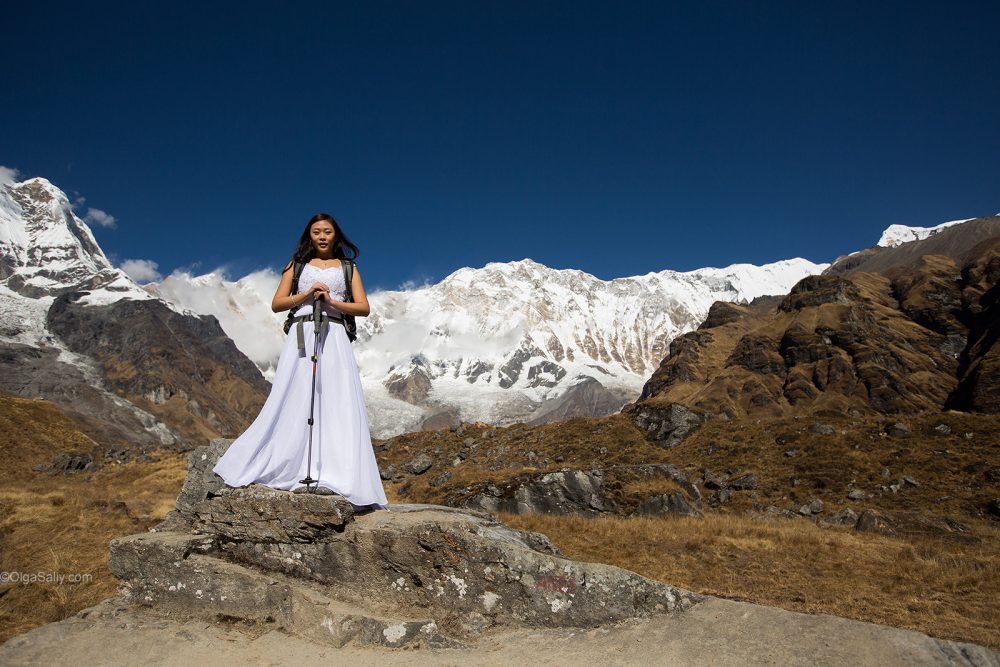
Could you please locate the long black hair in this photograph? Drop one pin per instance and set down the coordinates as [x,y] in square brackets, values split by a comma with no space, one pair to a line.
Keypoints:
[342,246]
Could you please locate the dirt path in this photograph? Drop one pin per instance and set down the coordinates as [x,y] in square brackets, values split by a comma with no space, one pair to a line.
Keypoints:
[716,632]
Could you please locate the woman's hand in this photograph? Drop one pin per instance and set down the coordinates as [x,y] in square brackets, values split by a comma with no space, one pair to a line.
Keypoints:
[320,291]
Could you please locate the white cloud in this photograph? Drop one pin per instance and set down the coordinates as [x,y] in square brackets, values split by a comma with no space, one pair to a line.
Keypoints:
[412,285]
[405,286]
[243,308]
[8,175]
[96,216]
[141,270]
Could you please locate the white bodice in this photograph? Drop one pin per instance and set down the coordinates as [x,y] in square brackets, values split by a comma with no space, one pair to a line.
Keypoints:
[332,277]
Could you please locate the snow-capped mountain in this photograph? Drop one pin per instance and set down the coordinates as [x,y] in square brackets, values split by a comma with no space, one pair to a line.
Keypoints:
[126,366]
[45,249]
[895,235]
[500,343]
[506,342]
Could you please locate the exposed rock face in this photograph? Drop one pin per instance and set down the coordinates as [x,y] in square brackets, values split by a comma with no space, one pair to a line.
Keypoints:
[106,418]
[722,312]
[511,371]
[818,290]
[589,493]
[586,398]
[666,424]
[685,356]
[979,363]
[182,368]
[920,336]
[411,384]
[322,568]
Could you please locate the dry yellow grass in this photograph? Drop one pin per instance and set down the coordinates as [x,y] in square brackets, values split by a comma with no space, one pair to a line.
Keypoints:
[943,585]
[32,432]
[938,586]
[63,525]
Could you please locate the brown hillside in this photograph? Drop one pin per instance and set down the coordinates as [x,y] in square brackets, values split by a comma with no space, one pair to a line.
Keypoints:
[183,369]
[958,242]
[917,338]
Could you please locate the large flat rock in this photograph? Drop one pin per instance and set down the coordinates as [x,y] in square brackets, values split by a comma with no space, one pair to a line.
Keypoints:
[462,569]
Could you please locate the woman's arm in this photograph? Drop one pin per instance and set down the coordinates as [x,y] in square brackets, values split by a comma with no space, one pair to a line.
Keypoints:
[283,297]
[359,307]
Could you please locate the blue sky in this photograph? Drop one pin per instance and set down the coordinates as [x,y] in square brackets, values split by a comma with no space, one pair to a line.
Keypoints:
[616,138]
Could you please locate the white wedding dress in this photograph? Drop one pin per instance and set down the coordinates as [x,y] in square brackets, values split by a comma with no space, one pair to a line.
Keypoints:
[273,450]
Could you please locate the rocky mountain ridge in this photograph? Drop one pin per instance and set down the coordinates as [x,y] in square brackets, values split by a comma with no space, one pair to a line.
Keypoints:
[893,330]
[81,333]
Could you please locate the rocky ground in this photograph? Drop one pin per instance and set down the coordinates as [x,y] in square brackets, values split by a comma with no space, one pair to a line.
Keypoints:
[271,577]
[934,473]
[715,632]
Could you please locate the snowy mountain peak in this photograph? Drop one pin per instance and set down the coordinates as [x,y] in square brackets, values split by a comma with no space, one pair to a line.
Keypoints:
[45,249]
[507,337]
[895,235]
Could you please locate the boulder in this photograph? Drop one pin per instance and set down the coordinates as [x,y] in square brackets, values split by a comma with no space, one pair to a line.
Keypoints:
[993,507]
[872,521]
[667,503]
[815,506]
[665,425]
[319,567]
[72,462]
[845,517]
[588,493]
[564,492]
[712,480]
[745,482]
[419,464]
[899,430]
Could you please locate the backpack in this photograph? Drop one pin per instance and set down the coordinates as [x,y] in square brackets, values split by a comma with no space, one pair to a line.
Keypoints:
[350,326]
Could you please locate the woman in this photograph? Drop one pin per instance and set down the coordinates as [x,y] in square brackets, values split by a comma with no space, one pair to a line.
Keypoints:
[274,449]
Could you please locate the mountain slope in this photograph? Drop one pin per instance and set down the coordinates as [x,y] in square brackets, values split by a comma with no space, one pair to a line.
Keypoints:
[66,311]
[917,335]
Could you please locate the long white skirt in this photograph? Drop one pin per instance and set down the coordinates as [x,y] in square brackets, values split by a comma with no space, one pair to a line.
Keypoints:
[273,451]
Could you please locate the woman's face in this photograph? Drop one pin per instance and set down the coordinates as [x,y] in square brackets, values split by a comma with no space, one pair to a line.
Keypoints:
[322,235]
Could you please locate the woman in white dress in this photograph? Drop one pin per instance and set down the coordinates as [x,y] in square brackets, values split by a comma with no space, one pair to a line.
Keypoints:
[273,451]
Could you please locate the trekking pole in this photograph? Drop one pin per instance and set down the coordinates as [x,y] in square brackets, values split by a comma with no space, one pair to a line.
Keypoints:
[317,320]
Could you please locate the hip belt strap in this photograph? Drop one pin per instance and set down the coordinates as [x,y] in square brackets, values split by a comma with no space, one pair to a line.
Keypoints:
[324,321]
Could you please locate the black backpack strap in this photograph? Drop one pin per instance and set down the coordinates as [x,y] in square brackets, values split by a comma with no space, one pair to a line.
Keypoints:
[348,276]
[296,272]
[348,320]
